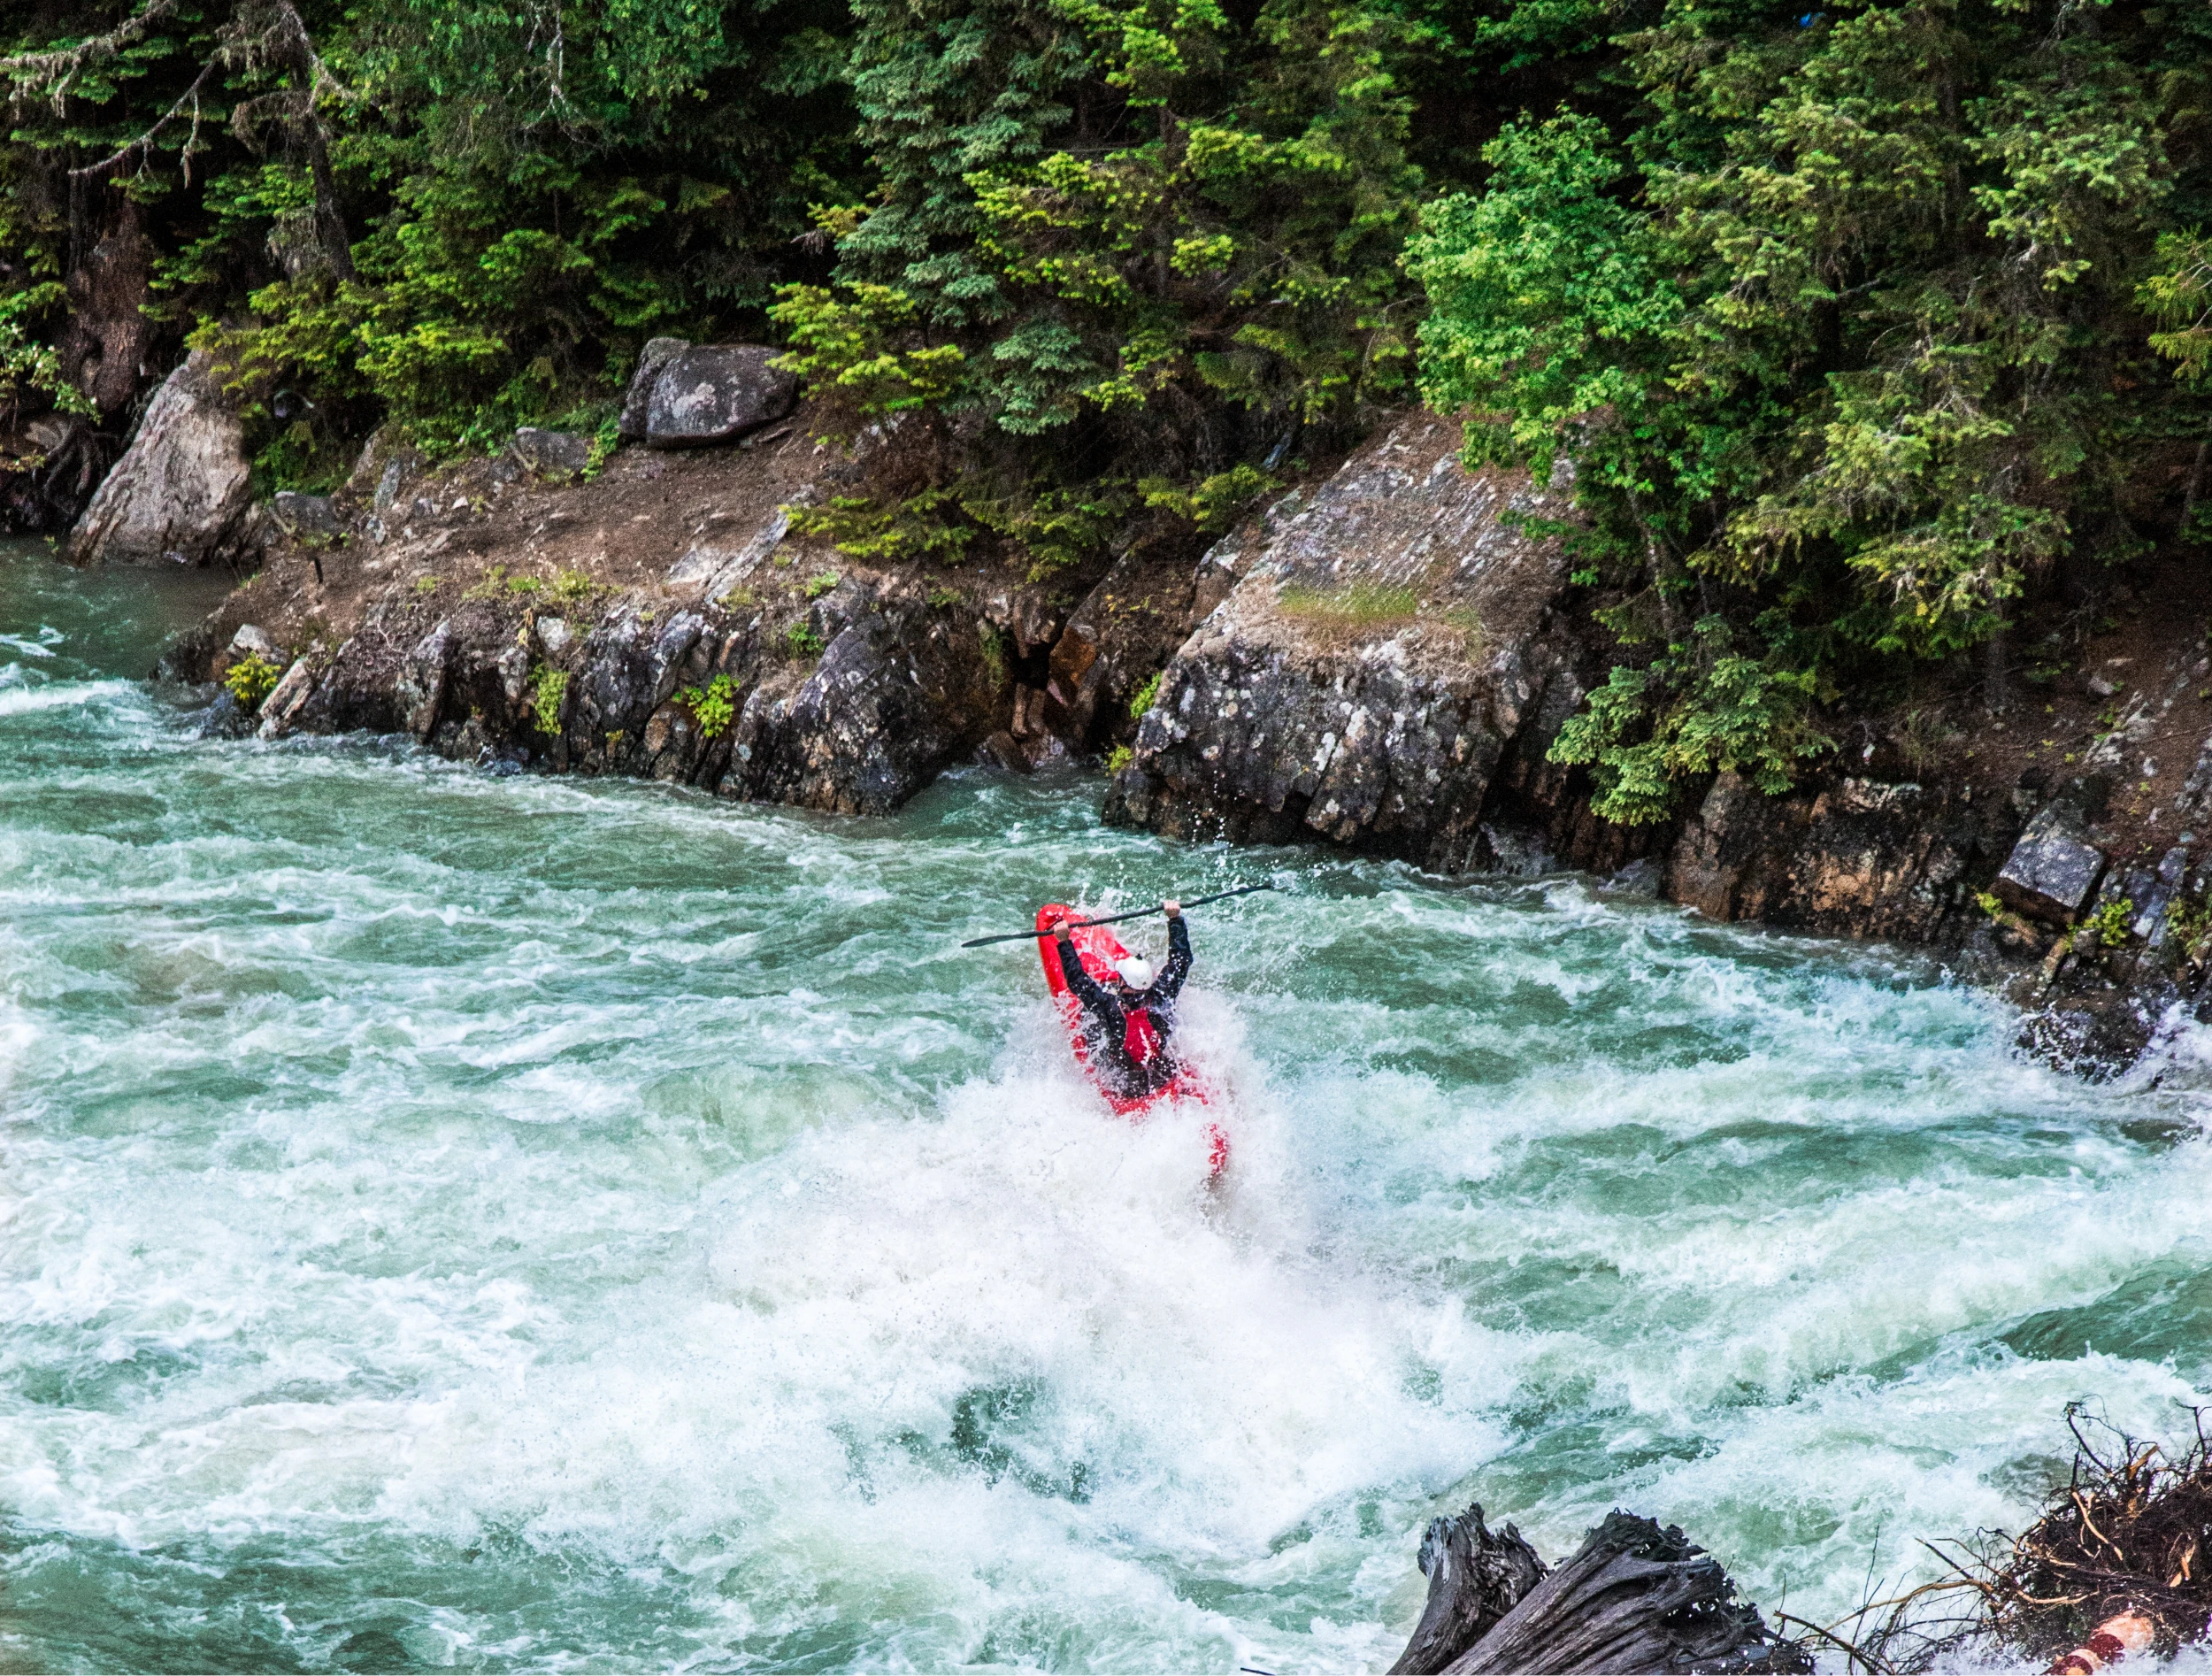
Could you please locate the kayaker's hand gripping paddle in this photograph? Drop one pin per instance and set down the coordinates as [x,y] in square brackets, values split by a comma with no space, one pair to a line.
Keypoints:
[1134,913]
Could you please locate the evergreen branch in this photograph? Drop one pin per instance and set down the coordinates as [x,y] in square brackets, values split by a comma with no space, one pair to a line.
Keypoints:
[37,72]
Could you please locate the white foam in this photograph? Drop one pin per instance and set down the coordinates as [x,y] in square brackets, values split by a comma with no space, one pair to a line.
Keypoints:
[64,695]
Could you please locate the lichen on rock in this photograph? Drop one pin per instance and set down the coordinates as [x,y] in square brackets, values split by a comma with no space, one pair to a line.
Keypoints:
[182,492]
[1370,654]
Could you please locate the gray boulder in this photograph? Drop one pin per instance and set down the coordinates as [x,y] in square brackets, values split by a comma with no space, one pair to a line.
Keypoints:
[1031,616]
[225,718]
[420,689]
[896,696]
[252,640]
[628,668]
[280,710]
[379,472]
[2052,870]
[704,394]
[655,355]
[557,455]
[310,520]
[182,491]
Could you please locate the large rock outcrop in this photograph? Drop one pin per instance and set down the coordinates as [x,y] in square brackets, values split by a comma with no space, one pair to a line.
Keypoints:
[1372,655]
[181,493]
[843,689]
[1853,857]
[897,691]
[901,692]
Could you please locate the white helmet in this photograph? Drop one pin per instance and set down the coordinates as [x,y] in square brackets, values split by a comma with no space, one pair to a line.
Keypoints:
[1136,972]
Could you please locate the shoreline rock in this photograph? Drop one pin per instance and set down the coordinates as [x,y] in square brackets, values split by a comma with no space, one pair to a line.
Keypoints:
[1376,649]
[516,618]
[182,491]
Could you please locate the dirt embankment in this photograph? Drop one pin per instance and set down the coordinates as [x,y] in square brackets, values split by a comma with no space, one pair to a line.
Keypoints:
[664,619]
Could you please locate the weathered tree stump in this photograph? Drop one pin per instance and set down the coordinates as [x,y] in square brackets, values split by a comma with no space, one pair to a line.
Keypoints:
[1476,1577]
[1635,1600]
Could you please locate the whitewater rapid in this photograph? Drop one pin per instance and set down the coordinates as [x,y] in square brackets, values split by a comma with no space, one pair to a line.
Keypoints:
[549,1224]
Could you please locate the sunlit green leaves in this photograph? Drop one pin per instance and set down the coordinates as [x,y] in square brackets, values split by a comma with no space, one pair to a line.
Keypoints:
[2180,297]
[1121,221]
[1549,304]
[1701,707]
[1837,323]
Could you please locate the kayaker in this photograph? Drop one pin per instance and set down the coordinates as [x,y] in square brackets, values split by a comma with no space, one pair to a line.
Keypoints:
[1127,1022]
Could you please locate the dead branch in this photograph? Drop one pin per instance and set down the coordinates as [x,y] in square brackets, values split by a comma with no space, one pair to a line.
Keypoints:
[143,143]
[1476,1577]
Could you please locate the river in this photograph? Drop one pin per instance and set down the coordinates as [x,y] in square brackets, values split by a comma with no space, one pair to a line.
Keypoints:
[549,1224]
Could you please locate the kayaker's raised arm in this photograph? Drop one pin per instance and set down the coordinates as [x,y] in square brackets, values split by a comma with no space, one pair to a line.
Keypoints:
[1088,992]
[1179,955]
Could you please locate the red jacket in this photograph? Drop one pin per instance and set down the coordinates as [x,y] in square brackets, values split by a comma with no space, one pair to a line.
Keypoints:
[1128,1042]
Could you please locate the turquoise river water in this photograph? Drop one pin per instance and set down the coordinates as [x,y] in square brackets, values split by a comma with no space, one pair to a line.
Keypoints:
[557,1224]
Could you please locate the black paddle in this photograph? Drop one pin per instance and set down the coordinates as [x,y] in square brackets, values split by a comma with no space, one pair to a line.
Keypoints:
[1134,913]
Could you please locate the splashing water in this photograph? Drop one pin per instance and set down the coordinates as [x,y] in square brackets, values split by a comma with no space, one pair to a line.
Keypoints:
[558,1223]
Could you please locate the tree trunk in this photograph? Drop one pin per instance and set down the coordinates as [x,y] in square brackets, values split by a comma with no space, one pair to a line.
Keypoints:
[1995,650]
[1633,1601]
[2189,500]
[330,224]
[1476,1576]
[106,345]
[330,221]
[1636,1599]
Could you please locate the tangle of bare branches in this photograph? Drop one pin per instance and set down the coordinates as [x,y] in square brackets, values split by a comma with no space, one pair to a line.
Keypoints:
[2128,1533]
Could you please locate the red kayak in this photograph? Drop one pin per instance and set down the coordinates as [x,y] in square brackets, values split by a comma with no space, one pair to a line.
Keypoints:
[1098,949]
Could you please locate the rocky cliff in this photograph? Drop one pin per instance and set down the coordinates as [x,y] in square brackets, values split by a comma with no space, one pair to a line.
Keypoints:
[660,621]
[1378,662]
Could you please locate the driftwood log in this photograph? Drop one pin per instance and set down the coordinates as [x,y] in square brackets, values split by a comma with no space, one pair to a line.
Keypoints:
[1634,1599]
[1476,1577]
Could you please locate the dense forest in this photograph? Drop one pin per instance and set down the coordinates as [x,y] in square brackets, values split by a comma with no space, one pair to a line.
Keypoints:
[1857,330]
